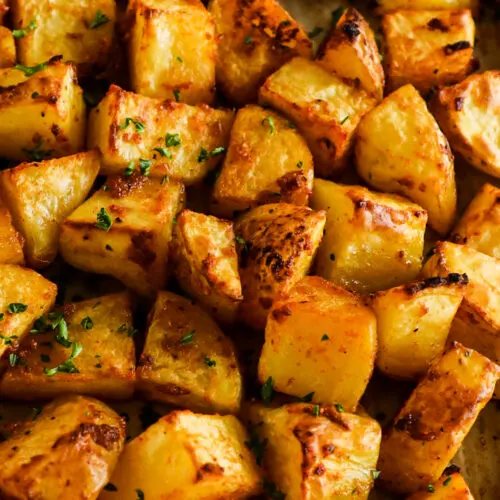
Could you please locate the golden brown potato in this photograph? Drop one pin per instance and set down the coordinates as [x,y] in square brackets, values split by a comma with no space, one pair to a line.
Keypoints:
[372,241]
[413,322]
[197,457]
[325,109]
[66,452]
[448,487]
[267,161]
[11,241]
[384,6]
[277,244]
[104,355]
[323,360]
[350,51]
[254,40]
[400,149]
[41,195]
[7,48]
[430,428]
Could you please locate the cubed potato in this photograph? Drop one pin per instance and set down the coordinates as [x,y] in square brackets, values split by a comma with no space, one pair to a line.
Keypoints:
[105,366]
[41,195]
[350,51]
[413,322]
[68,451]
[384,6]
[7,48]
[372,241]
[184,33]
[325,109]
[277,244]
[11,241]
[254,40]
[448,487]
[125,230]
[4,8]
[181,141]
[267,161]
[430,428]
[469,115]
[187,360]
[197,457]
[400,149]
[24,296]
[81,31]
[323,360]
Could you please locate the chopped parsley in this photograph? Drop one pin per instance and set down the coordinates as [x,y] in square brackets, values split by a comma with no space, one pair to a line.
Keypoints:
[447,481]
[177,94]
[145,166]
[99,19]
[267,390]
[15,360]
[87,323]
[205,155]
[104,221]
[68,366]
[36,413]
[163,152]
[430,488]
[164,179]
[346,117]
[16,307]
[140,494]
[8,340]
[248,40]
[339,407]
[325,337]
[129,169]
[316,410]
[210,362]
[2,316]
[34,95]
[315,32]
[256,446]
[300,164]
[131,331]
[376,473]
[139,126]
[30,70]
[188,338]
[269,119]
[179,59]
[21,33]
[172,140]
[37,153]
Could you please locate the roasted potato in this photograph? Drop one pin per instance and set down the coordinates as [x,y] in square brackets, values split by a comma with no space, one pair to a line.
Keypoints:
[325,109]
[400,149]
[413,322]
[41,195]
[181,141]
[372,241]
[68,451]
[197,457]
[267,161]
[7,48]
[430,428]
[384,6]
[448,487]
[276,244]
[4,8]
[11,241]
[254,40]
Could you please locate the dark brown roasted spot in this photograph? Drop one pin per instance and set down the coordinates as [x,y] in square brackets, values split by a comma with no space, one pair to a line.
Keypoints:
[209,470]
[437,24]
[455,47]
[459,103]
[351,30]
[410,423]
[103,435]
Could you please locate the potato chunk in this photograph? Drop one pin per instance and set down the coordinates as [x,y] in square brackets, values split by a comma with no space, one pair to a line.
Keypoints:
[255,39]
[448,487]
[67,452]
[400,149]
[324,359]
[267,161]
[41,195]
[7,48]
[413,322]
[181,141]
[431,426]
[124,230]
[106,363]
[11,241]
[4,8]
[372,241]
[277,244]
[24,296]
[325,109]
[384,6]
[197,457]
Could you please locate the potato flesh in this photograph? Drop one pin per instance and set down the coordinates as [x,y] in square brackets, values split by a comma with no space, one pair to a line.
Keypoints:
[449,487]
[11,241]
[7,48]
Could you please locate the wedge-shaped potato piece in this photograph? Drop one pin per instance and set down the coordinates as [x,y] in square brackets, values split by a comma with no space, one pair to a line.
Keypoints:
[448,487]
[325,109]
[324,359]
[81,31]
[267,161]
[197,457]
[11,241]
[430,428]
[67,452]
[255,39]
[384,6]
[277,244]
[181,141]
[24,296]
[413,322]
[400,149]
[41,195]
[372,241]
[7,48]
[124,230]
[350,51]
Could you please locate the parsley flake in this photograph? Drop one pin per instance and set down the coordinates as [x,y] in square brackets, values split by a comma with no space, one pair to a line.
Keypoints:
[129,169]
[37,153]
[164,179]
[140,494]
[447,481]
[376,473]
[177,94]
[30,70]
[269,119]
[210,362]
[267,390]
[205,155]
[172,140]
[68,366]
[339,407]
[145,166]
[248,40]
[16,307]
[15,360]
[99,19]
[188,338]
[139,126]
[300,164]
[430,488]
[325,337]
[22,32]
[316,410]
[346,117]
[104,221]
[87,323]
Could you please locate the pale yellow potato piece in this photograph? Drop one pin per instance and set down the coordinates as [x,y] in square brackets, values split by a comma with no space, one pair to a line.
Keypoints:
[448,487]
[11,241]
[384,6]
[7,48]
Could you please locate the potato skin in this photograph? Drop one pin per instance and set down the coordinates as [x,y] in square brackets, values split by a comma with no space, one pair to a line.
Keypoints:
[448,487]
[11,241]
[7,48]
[68,452]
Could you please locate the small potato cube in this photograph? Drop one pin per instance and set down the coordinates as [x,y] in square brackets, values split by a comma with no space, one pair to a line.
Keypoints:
[400,149]
[197,457]
[384,6]
[67,452]
[277,244]
[187,360]
[24,296]
[350,51]
[413,322]
[372,241]
[181,141]
[325,109]
[267,161]
[7,48]
[184,33]
[41,195]
[430,428]
[448,487]
[124,230]
[324,359]
[11,241]
[254,40]
[106,363]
